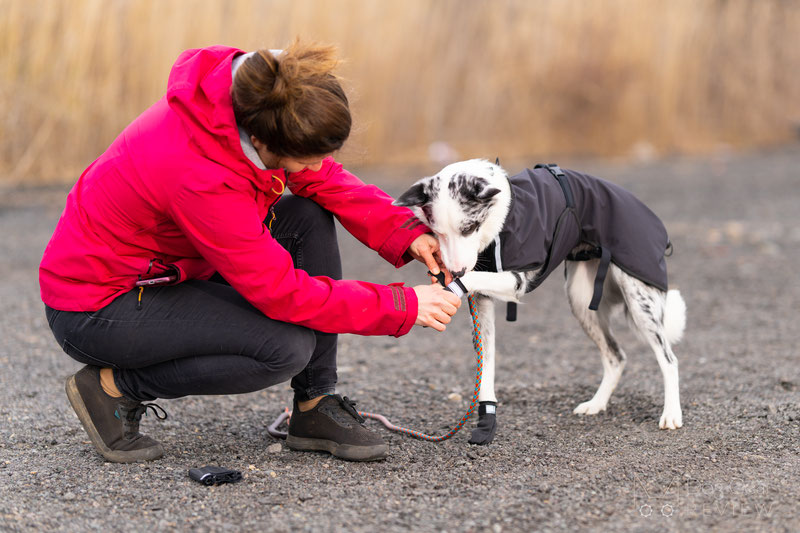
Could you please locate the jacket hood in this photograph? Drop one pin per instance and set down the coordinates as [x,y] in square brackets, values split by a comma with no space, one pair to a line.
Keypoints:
[198,92]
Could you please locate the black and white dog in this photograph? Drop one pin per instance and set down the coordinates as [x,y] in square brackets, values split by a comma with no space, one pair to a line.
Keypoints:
[501,236]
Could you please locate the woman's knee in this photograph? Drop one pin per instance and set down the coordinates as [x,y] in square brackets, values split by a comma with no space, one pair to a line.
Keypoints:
[308,233]
[306,215]
[292,356]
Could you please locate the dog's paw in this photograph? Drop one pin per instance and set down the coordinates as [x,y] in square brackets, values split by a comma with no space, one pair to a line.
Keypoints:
[483,436]
[589,408]
[671,419]
[487,427]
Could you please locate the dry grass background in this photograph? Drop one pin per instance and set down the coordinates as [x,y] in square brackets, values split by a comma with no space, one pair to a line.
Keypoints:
[509,78]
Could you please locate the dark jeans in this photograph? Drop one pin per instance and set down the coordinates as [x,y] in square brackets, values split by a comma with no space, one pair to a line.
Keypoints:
[203,337]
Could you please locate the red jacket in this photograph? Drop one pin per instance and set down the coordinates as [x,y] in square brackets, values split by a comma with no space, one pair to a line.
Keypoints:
[176,186]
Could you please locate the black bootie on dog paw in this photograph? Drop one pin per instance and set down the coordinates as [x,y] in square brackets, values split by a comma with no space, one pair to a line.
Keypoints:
[487,424]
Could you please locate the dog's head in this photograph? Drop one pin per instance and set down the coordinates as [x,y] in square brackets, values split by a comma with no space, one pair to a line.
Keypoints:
[465,205]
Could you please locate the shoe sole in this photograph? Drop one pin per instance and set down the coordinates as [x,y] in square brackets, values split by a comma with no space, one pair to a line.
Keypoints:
[350,452]
[115,456]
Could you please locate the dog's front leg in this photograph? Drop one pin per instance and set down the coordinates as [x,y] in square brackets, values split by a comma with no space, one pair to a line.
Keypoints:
[503,286]
[487,417]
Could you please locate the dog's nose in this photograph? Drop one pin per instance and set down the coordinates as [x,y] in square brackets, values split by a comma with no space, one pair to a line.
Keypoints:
[459,273]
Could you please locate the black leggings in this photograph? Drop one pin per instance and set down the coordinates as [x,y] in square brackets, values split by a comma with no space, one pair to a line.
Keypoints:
[203,337]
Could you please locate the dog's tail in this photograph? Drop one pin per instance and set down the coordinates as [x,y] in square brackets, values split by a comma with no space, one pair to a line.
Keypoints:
[674,317]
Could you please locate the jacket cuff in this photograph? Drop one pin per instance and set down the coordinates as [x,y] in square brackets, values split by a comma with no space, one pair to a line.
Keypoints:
[395,249]
[412,307]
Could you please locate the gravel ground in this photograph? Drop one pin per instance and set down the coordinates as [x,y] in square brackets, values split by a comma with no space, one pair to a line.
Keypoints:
[734,465]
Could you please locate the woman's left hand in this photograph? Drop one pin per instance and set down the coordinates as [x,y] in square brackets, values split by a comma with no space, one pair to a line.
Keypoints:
[425,249]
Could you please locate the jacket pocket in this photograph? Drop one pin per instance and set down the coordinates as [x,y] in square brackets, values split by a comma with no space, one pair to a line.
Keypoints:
[83,357]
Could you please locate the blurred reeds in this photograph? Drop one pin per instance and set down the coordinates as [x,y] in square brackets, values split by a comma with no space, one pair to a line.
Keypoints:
[510,78]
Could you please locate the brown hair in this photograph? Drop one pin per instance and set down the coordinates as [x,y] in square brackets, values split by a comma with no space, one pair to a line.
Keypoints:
[294,103]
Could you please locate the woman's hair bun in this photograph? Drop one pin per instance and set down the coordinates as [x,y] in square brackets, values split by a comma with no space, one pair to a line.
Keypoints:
[295,92]
[277,81]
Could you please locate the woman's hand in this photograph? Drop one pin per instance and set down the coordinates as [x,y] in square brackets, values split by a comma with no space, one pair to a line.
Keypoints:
[436,306]
[425,249]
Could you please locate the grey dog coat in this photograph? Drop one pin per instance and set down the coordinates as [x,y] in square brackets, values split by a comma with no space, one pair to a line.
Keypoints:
[553,210]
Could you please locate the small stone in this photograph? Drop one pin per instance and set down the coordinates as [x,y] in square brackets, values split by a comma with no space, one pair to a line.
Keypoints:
[454,397]
[274,448]
[69,496]
[714,236]
[734,230]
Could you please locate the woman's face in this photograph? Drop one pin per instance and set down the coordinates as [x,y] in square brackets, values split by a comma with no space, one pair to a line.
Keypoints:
[293,165]
[290,164]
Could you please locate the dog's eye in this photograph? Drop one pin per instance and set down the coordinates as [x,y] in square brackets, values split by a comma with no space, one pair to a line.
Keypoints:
[469,230]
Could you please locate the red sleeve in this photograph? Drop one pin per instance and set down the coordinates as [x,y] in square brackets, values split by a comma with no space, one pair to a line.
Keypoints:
[364,210]
[224,226]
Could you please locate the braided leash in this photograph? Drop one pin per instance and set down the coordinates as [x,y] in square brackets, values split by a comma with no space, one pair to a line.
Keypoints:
[477,342]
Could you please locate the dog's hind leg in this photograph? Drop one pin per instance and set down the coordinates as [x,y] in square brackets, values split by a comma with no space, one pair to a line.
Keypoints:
[646,310]
[487,417]
[579,286]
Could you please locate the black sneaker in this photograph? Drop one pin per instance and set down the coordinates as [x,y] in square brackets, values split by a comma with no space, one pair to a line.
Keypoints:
[112,423]
[334,426]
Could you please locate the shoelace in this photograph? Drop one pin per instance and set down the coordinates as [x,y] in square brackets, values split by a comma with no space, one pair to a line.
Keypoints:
[131,417]
[141,409]
[155,408]
[350,406]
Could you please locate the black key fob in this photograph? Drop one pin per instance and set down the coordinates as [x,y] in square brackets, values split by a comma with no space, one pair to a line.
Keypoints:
[214,475]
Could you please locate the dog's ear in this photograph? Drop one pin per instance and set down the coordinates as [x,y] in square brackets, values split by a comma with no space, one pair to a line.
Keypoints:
[415,196]
[488,193]
[479,189]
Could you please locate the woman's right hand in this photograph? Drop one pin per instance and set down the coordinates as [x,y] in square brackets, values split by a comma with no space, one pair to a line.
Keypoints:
[436,306]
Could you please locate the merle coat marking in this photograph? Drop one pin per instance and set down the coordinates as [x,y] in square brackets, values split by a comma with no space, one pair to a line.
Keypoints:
[467,205]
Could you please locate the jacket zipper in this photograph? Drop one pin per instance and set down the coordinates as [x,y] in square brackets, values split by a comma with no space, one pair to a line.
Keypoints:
[271,212]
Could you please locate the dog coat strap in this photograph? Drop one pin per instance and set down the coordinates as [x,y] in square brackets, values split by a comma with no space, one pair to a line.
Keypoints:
[605,253]
[559,175]
[586,255]
[511,312]
[602,270]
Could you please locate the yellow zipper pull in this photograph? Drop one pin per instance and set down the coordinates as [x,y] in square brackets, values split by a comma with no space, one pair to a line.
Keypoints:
[283,187]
